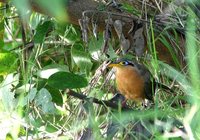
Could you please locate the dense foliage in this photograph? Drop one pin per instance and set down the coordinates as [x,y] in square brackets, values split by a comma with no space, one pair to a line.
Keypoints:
[55,85]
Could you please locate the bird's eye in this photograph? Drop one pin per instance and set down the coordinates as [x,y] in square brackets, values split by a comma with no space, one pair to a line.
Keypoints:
[124,63]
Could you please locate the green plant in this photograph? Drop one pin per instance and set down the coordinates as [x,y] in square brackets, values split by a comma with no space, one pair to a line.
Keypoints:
[55,86]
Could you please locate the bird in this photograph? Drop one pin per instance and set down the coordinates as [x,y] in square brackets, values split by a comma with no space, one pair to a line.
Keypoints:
[135,81]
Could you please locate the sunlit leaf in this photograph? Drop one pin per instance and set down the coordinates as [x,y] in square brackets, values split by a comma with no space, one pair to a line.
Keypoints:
[8,63]
[111,52]
[43,97]
[7,97]
[32,94]
[29,98]
[47,71]
[44,100]
[95,46]
[81,58]
[9,136]
[35,20]
[64,80]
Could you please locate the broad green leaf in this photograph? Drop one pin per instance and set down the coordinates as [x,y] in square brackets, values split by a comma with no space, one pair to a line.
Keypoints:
[43,97]
[44,100]
[32,94]
[41,31]
[111,52]
[47,71]
[95,46]
[49,108]
[8,100]
[29,98]
[8,63]
[6,96]
[56,95]
[64,80]
[81,58]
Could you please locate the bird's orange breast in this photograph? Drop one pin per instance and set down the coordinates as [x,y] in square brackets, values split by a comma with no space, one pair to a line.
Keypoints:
[130,83]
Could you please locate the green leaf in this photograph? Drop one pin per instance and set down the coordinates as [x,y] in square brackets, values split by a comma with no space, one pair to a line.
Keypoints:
[49,108]
[47,71]
[50,128]
[8,100]
[43,97]
[44,100]
[41,31]
[9,136]
[111,52]
[32,94]
[64,80]
[95,46]
[7,97]
[35,122]
[35,20]
[8,63]
[56,95]
[29,98]
[81,58]
[68,32]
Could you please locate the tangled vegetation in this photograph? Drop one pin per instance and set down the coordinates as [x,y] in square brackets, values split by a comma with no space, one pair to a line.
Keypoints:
[54,81]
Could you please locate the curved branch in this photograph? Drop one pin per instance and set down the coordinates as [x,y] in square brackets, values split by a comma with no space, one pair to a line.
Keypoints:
[97,101]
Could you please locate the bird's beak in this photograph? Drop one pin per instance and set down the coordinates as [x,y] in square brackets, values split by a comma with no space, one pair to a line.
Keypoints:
[113,65]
